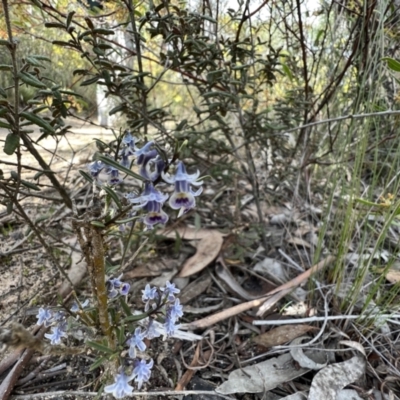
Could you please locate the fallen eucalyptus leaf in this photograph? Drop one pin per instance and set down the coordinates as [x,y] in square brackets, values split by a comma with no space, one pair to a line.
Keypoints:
[264,376]
[282,334]
[208,249]
[295,396]
[299,356]
[328,382]
[348,394]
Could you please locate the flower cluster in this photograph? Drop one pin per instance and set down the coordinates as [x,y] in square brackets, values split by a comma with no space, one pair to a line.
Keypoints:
[151,168]
[116,287]
[163,310]
[163,301]
[58,322]
[140,373]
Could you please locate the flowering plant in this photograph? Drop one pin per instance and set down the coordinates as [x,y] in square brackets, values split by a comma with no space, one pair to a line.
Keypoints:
[125,333]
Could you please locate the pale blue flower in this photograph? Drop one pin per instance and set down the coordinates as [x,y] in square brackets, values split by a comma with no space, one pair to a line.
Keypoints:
[149,294]
[170,290]
[75,307]
[95,168]
[142,371]
[56,335]
[176,310]
[120,388]
[152,330]
[44,316]
[169,325]
[129,140]
[136,341]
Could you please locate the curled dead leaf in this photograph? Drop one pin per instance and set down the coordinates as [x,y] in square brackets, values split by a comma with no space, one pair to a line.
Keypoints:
[282,334]
[208,249]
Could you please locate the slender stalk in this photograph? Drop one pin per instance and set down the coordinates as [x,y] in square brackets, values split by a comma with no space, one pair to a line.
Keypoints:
[99,272]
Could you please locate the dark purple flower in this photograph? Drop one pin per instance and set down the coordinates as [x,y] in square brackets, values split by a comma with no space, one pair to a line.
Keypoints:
[115,287]
[114,178]
[152,165]
[140,154]
[124,289]
[183,198]
[151,201]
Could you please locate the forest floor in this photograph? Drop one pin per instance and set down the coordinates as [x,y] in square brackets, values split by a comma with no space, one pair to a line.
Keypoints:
[229,279]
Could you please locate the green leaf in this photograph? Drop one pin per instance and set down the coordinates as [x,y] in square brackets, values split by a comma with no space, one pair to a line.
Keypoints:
[42,58]
[121,334]
[4,42]
[31,80]
[14,175]
[55,25]
[89,23]
[63,44]
[11,144]
[86,176]
[97,224]
[125,307]
[35,119]
[5,125]
[69,18]
[90,81]
[38,175]
[71,93]
[118,108]
[392,63]
[137,317]
[125,221]
[5,67]
[100,347]
[34,62]
[287,71]
[208,18]
[30,185]
[102,31]
[113,195]
[98,51]
[100,361]
[118,166]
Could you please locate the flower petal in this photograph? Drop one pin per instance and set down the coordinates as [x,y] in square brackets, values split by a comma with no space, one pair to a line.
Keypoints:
[182,200]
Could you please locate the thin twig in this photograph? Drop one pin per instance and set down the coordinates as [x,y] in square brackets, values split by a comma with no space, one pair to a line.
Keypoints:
[341,118]
[49,395]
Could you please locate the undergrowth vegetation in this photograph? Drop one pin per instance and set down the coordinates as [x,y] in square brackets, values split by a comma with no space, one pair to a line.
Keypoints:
[289,109]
